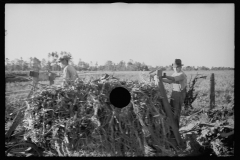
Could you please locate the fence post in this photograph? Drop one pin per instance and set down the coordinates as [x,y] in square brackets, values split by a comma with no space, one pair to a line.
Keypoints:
[212,91]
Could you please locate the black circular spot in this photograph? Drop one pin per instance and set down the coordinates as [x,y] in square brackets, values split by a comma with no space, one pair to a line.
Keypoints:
[120,97]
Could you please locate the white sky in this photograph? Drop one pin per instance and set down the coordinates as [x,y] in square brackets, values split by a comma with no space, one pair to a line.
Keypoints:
[156,34]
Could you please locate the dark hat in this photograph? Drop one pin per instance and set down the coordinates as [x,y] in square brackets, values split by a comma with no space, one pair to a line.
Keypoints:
[177,63]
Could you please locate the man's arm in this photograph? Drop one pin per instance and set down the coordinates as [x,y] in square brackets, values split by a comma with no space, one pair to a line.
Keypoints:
[167,80]
[170,78]
[175,78]
[179,78]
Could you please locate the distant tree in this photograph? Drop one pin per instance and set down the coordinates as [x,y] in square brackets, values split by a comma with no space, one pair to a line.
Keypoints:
[136,66]
[96,66]
[109,65]
[30,62]
[121,66]
[7,64]
[114,67]
[48,66]
[17,65]
[25,66]
[85,66]
[101,67]
[222,68]
[44,64]
[130,65]
[131,61]
[188,68]
[21,63]
[49,57]
[80,64]
[6,61]
[150,67]
[145,68]
[195,69]
[204,68]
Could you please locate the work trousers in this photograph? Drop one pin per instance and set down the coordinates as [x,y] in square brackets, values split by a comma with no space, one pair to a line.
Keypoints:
[176,102]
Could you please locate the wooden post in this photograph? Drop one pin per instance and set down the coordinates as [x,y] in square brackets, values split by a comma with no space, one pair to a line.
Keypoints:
[167,108]
[212,91]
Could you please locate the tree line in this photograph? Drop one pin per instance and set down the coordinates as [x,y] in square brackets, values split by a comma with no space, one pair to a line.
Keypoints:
[46,64]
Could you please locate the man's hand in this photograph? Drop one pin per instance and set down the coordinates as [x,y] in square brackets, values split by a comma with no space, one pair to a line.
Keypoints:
[164,75]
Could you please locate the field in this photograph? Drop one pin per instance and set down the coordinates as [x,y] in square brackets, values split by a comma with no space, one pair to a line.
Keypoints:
[224,82]
[224,93]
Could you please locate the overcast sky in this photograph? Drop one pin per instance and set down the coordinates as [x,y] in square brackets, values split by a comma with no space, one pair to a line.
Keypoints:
[156,34]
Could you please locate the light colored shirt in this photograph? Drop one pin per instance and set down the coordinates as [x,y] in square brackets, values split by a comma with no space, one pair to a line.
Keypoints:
[156,80]
[69,74]
[180,81]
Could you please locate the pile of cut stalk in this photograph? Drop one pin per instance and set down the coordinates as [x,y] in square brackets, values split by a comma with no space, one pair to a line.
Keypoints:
[63,121]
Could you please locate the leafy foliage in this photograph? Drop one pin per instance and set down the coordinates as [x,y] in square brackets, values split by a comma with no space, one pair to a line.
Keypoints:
[206,132]
[191,95]
[213,130]
[80,117]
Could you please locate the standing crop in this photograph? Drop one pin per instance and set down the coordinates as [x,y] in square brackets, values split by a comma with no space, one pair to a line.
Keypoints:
[191,94]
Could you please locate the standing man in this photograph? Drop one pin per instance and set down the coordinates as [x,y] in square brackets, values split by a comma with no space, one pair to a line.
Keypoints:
[69,72]
[151,77]
[179,84]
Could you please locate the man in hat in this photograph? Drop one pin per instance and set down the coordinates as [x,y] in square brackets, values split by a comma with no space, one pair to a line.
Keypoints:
[69,72]
[179,84]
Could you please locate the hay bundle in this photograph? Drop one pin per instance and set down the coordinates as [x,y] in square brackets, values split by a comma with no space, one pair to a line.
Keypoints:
[81,117]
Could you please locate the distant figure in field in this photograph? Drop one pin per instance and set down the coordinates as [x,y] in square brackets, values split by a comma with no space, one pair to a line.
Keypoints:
[51,77]
[179,84]
[151,77]
[152,74]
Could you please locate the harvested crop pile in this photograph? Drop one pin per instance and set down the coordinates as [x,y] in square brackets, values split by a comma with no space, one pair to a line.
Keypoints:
[213,131]
[62,121]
